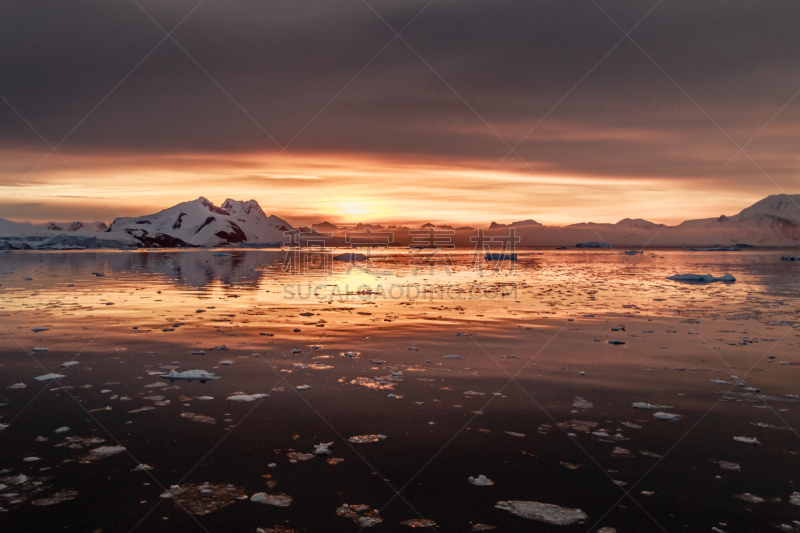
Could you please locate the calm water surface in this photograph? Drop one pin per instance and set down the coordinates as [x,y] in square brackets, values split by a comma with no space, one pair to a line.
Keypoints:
[537,399]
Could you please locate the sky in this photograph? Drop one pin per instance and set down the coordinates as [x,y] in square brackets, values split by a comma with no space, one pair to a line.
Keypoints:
[443,111]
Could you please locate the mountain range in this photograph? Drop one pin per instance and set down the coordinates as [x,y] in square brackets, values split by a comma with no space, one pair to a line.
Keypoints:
[771,222]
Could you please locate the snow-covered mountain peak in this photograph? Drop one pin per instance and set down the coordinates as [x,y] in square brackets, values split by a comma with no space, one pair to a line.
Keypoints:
[778,205]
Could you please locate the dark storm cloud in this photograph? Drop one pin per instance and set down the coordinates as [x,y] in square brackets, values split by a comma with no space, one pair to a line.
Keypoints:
[512,61]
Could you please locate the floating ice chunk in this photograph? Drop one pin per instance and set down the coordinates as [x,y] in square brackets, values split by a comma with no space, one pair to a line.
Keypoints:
[452,357]
[58,497]
[607,529]
[205,498]
[481,481]
[581,403]
[379,383]
[17,386]
[31,459]
[644,405]
[414,348]
[614,341]
[419,522]
[752,498]
[142,468]
[49,377]
[206,398]
[303,387]
[472,393]
[719,381]
[156,385]
[105,451]
[199,352]
[483,527]
[794,499]
[199,418]
[513,434]
[223,347]
[296,351]
[65,364]
[297,456]
[3,426]
[278,500]
[323,448]
[61,430]
[188,375]
[39,349]
[37,330]
[727,465]
[361,439]
[246,397]
[668,417]
[747,440]
[350,354]
[360,514]
[227,362]
[701,278]
[543,512]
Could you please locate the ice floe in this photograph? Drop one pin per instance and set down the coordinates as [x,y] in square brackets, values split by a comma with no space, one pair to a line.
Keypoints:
[205,498]
[360,439]
[419,522]
[667,417]
[643,405]
[49,377]
[581,403]
[750,498]
[544,512]
[189,375]
[747,440]
[276,500]
[246,397]
[360,514]
[323,448]
[199,418]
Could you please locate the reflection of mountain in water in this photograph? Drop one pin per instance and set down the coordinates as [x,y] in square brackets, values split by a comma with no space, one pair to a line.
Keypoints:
[198,269]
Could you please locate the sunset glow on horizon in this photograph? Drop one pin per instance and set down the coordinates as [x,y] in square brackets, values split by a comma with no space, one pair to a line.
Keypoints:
[307,189]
